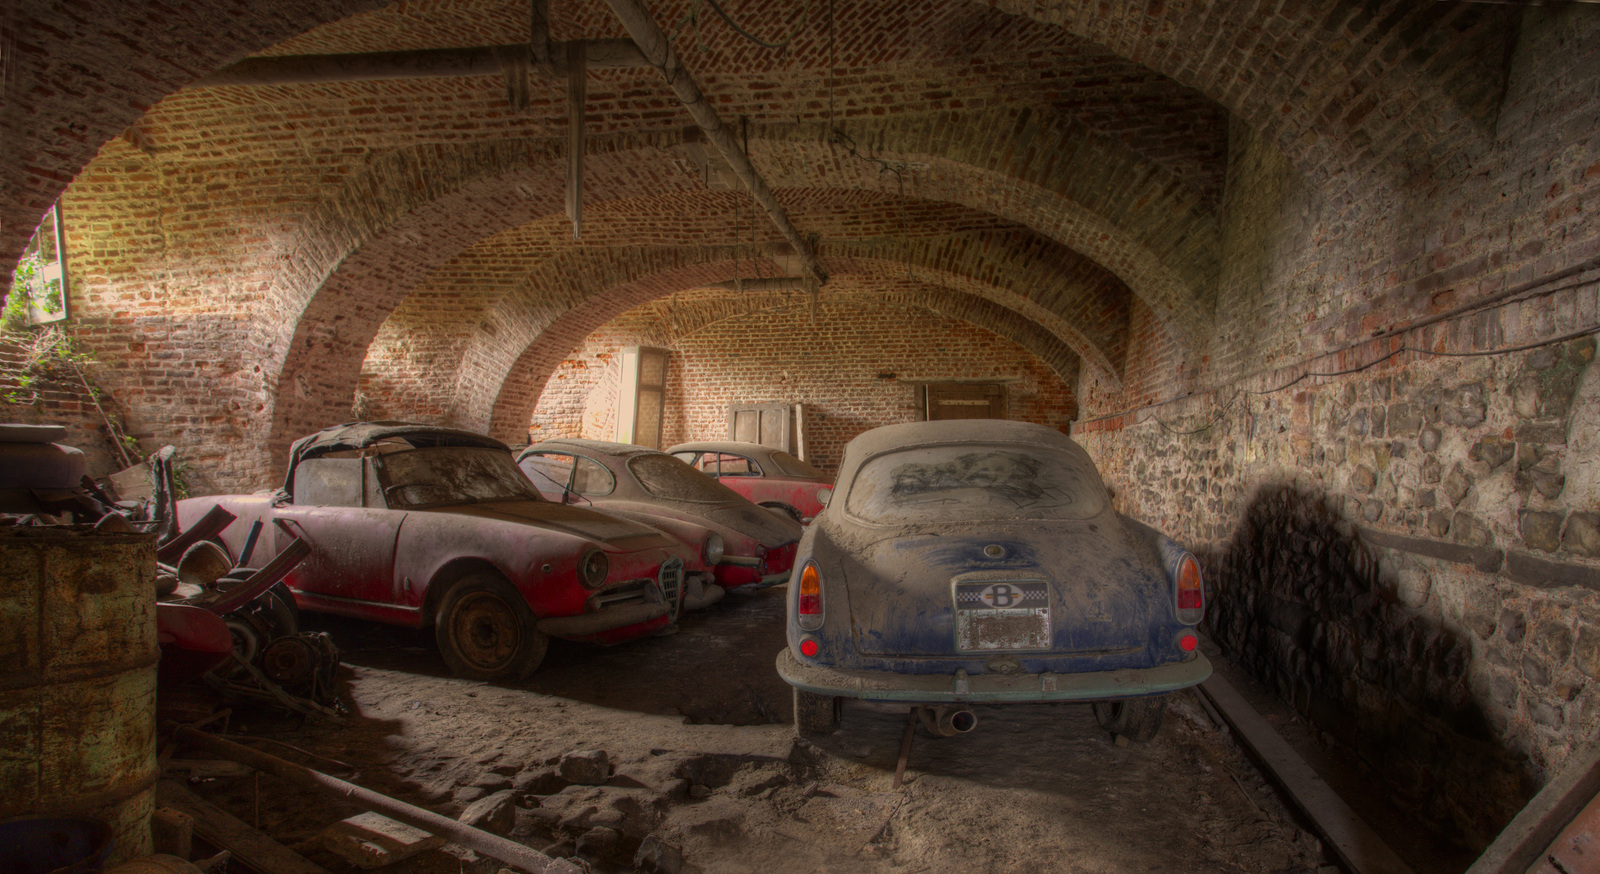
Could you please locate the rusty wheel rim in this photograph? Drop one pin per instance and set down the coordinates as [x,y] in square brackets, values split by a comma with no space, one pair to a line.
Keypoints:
[486,631]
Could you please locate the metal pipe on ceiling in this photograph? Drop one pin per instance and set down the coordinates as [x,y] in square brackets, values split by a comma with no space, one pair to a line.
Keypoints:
[599,54]
[767,283]
[655,48]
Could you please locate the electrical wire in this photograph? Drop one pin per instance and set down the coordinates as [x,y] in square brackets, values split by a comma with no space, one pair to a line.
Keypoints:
[1416,350]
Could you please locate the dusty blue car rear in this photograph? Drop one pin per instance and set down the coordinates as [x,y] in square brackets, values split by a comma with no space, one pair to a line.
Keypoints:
[980,561]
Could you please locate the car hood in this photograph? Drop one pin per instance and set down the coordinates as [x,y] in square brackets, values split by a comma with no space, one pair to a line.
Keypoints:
[576,521]
[768,528]
[1100,591]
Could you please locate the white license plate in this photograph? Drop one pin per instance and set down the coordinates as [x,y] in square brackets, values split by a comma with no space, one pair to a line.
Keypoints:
[1002,615]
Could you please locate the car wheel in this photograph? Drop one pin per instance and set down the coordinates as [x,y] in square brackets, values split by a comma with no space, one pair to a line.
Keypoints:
[815,715]
[785,509]
[1137,719]
[486,631]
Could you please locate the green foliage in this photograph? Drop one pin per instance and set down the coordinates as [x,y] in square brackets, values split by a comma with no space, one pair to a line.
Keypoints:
[28,286]
[48,354]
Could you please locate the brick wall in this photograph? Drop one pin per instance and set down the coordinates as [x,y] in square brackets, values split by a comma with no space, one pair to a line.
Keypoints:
[854,369]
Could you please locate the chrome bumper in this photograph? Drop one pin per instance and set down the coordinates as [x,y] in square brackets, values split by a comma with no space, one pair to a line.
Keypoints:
[978,688]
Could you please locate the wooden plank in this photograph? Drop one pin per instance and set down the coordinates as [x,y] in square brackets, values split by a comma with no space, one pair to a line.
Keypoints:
[1524,840]
[248,845]
[1350,839]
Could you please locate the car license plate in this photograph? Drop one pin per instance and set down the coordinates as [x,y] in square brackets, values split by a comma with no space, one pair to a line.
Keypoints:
[1002,615]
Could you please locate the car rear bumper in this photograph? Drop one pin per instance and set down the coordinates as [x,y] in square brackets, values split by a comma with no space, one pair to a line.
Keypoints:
[943,688]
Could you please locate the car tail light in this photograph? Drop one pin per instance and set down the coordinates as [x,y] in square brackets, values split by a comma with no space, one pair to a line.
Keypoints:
[1190,594]
[809,648]
[592,572]
[808,601]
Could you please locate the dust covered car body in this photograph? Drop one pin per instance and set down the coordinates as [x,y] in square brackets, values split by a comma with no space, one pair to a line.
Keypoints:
[766,476]
[740,543]
[412,524]
[980,561]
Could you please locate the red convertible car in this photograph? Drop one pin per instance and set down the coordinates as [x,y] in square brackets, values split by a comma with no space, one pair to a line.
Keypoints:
[413,524]
[767,476]
[743,544]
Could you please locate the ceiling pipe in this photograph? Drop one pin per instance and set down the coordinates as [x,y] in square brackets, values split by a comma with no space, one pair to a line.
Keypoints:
[768,283]
[655,48]
[599,54]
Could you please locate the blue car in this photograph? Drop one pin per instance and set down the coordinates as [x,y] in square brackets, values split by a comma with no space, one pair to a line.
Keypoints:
[980,561]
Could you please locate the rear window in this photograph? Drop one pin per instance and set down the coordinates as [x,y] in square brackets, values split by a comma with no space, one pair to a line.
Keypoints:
[960,483]
[795,467]
[666,477]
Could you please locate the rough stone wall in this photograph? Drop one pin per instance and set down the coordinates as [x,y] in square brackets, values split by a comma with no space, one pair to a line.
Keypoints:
[1399,525]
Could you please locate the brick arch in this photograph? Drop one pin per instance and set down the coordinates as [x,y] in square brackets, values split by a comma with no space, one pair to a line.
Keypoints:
[362,252]
[75,80]
[522,341]
[1136,218]
[690,317]
[360,255]
[1347,86]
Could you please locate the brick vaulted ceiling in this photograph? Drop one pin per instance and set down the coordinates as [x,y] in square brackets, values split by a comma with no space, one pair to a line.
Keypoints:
[1063,163]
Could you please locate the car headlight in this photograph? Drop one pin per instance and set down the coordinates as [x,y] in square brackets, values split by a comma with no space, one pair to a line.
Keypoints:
[592,572]
[824,495]
[713,548]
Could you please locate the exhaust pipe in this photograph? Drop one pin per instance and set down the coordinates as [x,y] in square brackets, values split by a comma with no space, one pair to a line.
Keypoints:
[948,721]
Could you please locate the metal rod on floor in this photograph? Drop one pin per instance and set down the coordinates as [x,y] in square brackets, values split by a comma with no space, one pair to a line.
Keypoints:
[478,840]
[653,44]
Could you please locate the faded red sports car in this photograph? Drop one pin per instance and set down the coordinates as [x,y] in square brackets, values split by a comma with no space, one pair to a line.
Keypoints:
[415,525]
[767,476]
[743,544]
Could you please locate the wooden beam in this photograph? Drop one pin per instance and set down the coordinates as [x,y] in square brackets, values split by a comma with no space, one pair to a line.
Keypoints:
[599,54]
[577,97]
[658,51]
[1525,839]
[249,846]
[1357,846]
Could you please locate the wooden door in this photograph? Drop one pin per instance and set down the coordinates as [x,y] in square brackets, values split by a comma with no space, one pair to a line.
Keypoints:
[958,400]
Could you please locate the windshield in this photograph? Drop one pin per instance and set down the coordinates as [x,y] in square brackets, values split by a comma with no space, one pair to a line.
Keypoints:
[958,483]
[451,475]
[666,477]
[795,467]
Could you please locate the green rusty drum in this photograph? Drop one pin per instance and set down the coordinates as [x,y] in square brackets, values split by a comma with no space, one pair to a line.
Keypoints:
[78,655]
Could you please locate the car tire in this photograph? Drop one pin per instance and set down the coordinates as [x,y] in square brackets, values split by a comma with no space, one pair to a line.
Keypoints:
[815,715]
[783,508]
[1137,719]
[485,630]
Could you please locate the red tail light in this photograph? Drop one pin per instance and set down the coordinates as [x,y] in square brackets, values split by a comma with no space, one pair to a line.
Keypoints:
[1190,590]
[808,600]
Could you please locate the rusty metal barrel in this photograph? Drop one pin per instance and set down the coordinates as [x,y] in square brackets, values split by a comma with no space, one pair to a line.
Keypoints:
[78,655]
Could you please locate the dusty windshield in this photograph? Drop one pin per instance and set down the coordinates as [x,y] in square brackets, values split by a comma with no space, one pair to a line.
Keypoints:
[666,477]
[958,483]
[451,475]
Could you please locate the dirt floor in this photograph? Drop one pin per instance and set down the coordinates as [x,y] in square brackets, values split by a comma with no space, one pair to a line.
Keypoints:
[708,776]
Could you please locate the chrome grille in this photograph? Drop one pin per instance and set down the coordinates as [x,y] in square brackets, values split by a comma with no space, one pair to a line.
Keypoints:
[670,580]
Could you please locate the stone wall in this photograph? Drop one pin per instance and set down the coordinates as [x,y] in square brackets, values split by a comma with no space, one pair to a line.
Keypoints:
[1386,451]
[40,389]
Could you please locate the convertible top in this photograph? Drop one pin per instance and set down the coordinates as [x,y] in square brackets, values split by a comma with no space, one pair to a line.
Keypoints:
[360,435]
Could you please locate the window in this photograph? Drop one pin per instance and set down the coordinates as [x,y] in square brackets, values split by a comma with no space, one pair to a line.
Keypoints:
[642,402]
[553,473]
[39,285]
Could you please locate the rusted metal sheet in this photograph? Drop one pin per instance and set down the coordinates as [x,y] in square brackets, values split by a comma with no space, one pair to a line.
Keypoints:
[77,698]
